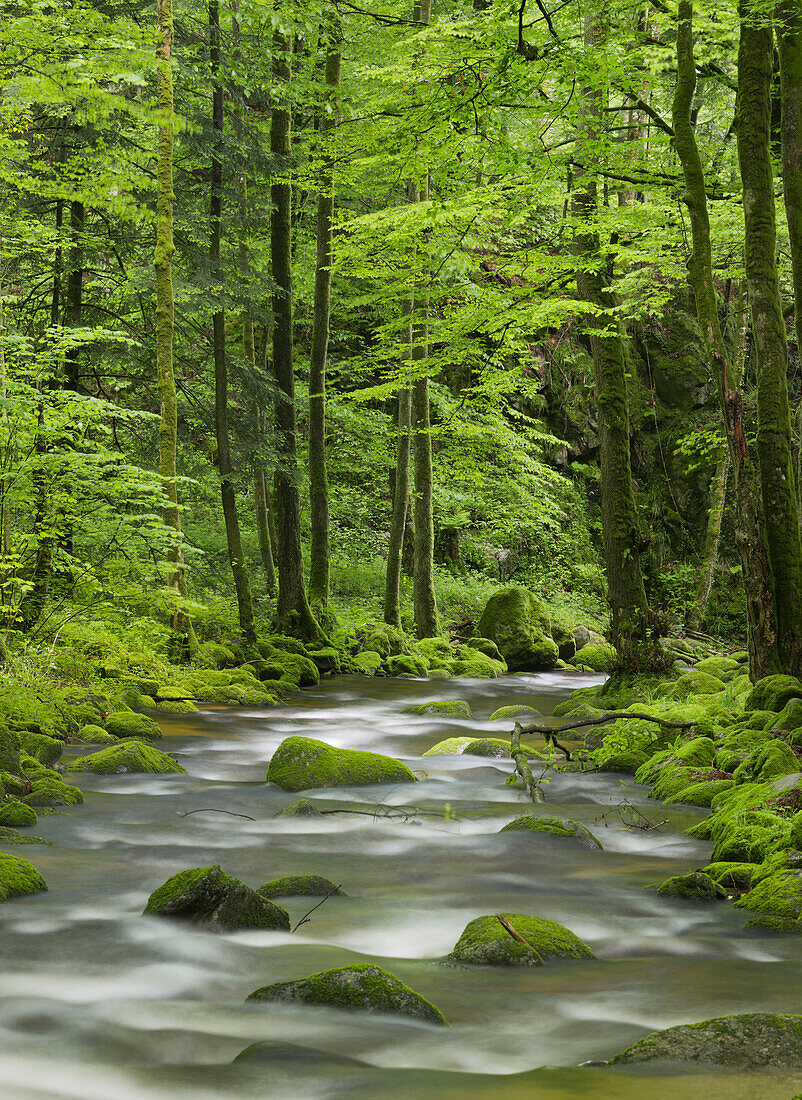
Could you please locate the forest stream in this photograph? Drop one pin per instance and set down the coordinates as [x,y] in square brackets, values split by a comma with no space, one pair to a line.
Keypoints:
[97,1001]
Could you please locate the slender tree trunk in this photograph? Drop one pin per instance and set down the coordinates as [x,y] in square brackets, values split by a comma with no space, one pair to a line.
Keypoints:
[755,69]
[293,612]
[236,556]
[392,584]
[261,491]
[75,285]
[622,541]
[748,534]
[718,496]
[318,481]
[789,44]
[165,316]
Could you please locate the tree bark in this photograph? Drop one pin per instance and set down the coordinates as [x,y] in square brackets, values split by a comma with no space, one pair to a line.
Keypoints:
[749,538]
[789,46]
[261,493]
[718,496]
[392,583]
[320,553]
[755,69]
[225,467]
[293,612]
[75,285]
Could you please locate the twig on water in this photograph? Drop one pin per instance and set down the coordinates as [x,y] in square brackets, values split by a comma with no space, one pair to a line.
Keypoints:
[522,767]
[305,918]
[214,810]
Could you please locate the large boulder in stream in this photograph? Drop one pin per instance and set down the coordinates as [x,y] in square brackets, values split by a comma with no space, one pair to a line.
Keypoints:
[19,878]
[125,723]
[211,898]
[519,625]
[312,886]
[302,763]
[555,826]
[516,939]
[752,1040]
[364,987]
[127,756]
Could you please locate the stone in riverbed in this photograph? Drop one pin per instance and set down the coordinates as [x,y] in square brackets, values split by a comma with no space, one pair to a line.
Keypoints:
[486,942]
[17,814]
[123,723]
[557,826]
[696,885]
[363,988]
[127,756]
[303,807]
[519,625]
[302,763]
[752,1040]
[19,878]
[452,746]
[450,708]
[288,886]
[211,898]
[504,714]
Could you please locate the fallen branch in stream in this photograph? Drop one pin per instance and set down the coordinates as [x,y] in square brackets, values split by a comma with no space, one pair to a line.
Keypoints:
[634,818]
[305,918]
[522,767]
[213,810]
[548,732]
[505,924]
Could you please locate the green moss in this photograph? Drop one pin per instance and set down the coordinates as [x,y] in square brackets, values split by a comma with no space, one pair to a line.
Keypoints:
[9,751]
[599,658]
[211,898]
[176,706]
[701,794]
[121,723]
[519,625]
[93,735]
[795,834]
[455,708]
[52,792]
[628,761]
[45,749]
[301,763]
[326,659]
[387,641]
[486,942]
[303,807]
[504,714]
[746,844]
[129,756]
[17,814]
[773,692]
[19,878]
[407,664]
[697,885]
[452,746]
[299,886]
[723,668]
[790,717]
[367,663]
[474,665]
[10,836]
[772,758]
[214,655]
[754,1040]
[364,988]
[556,826]
[698,683]
[735,877]
[488,647]
[487,746]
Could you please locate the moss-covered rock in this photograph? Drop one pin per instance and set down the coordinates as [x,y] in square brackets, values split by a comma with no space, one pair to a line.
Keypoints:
[47,750]
[697,885]
[17,814]
[93,735]
[10,836]
[556,826]
[121,723]
[486,646]
[734,877]
[790,717]
[473,664]
[367,663]
[770,759]
[53,792]
[211,898]
[702,794]
[754,1040]
[506,714]
[627,761]
[452,708]
[519,625]
[9,751]
[299,886]
[487,746]
[327,659]
[776,894]
[773,692]
[563,638]
[128,756]
[698,683]
[19,878]
[723,668]
[486,942]
[386,640]
[302,807]
[452,746]
[362,988]
[745,844]
[302,763]
[598,658]
[214,655]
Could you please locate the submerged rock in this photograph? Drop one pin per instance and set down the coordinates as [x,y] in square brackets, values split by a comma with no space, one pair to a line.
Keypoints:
[455,708]
[302,763]
[124,723]
[519,625]
[503,714]
[289,1054]
[452,746]
[13,836]
[486,942]
[696,885]
[299,886]
[19,878]
[363,988]
[303,807]
[128,756]
[487,746]
[752,1040]
[211,898]
[557,826]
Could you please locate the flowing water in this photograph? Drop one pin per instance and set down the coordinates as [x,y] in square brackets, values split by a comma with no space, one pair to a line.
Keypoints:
[98,1002]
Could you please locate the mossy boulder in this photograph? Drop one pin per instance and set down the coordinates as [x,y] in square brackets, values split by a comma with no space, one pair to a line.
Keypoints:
[485,941]
[127,756]
[367,663]
[697,886]
[451,708]
[10,836]
[93,735]
[123,723]
[698,683]
[563,638]
[452,746]
[723,668]
[598,658]
[519,625]
[746,844]
[473,664]
[209,897]
[361,988]
[303,807]
[771,759]
[327,659]
[386,640]
[556,826]
[302,763]
[17,815]
[753,1040]
[19,878]
[776,894]
[47,750]
[299,886]
[773,692]
[53,792]
[735,877]
[627,761]
[487,746]
[506,714]
[790,717]
[9,751]
[486,646]
[702,794]
[214,655]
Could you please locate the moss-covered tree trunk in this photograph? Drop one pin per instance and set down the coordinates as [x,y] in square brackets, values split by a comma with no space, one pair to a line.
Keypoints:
[789,45]
[75,284]
[777,482]
[293,612]
[749,537]
[707,566]
[622,540]
[392,583]
[225,467]
[319,565]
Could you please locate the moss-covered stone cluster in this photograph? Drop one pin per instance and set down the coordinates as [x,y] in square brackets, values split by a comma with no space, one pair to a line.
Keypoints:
[209,897]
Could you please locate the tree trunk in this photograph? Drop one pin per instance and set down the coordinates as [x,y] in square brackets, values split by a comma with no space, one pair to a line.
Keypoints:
[748,534]
[318,481]
[236,556]
[718,496]
[75,285]
[292,612]
[392,584]
[789,44]
[424,600]
[261,493]
[755,68]
[622,541]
